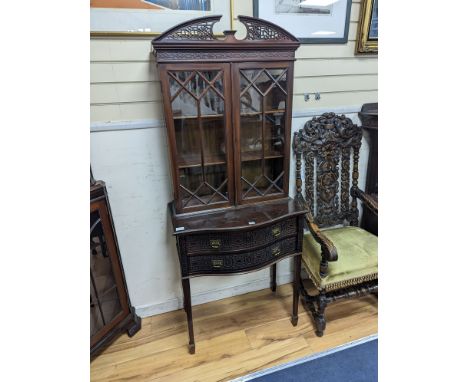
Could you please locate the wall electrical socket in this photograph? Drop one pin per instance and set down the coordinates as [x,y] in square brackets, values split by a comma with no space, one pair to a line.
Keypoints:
[307,96]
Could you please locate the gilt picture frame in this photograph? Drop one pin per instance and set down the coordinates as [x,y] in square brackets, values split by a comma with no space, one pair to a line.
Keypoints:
[310,21]
[367,41]
[152,17]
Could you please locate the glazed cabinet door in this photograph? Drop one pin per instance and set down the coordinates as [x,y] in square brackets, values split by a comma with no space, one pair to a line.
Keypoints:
[262,102]
[197,102]
[108,297]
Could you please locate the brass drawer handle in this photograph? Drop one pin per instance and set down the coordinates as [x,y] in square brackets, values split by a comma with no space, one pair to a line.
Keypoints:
[215,243]
[276,231]
[276,251]
[217,263]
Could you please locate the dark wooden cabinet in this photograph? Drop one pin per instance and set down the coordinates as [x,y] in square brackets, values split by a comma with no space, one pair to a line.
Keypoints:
[110,308]
[369,116]
[227,105]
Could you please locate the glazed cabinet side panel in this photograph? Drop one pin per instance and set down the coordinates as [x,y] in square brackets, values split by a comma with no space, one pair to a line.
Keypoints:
[108,290]
[197,107]
[262,111]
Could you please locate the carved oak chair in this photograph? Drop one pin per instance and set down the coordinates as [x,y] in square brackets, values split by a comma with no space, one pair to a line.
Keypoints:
[341,262]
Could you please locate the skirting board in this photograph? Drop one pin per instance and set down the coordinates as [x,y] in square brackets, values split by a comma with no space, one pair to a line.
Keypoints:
[212,295]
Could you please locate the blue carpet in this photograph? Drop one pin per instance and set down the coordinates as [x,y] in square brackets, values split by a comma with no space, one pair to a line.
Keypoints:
[353,363]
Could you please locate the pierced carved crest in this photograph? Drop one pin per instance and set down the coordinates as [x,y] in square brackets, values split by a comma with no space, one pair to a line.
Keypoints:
[196,29]
[201,29]
[258,29]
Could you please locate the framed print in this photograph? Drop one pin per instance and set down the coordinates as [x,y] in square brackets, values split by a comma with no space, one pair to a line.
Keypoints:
[367,35]
[311,21]
[151,17]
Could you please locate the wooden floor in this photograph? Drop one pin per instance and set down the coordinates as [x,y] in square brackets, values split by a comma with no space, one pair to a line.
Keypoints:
[233,337]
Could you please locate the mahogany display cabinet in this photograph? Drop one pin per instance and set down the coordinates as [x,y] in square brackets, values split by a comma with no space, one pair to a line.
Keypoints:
[110,308]
[227,106]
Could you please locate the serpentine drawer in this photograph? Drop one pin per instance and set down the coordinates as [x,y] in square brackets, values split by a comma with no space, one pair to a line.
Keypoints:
[235,262]
[237,241]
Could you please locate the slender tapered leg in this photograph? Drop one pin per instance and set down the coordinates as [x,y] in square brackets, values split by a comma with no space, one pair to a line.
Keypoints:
[188,310]
[273,278]
[297,276]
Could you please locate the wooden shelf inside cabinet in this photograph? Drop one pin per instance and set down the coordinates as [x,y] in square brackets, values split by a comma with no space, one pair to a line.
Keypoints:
[188,161]
[227,106]
[253,156]
[207,116]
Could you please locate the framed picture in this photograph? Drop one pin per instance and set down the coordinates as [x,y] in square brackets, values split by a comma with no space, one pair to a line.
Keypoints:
[368,36]
[311,21]
[151,17]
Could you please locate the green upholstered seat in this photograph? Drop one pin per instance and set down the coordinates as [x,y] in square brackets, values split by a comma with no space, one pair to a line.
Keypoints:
[357,258]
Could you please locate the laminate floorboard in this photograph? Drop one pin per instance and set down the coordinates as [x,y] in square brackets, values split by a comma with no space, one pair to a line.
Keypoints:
[234,337]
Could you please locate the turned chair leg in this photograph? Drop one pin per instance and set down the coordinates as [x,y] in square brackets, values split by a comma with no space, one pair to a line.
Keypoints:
[319,315]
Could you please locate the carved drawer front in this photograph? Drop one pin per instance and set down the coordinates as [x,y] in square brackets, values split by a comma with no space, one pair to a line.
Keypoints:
[240,240]
[238,262]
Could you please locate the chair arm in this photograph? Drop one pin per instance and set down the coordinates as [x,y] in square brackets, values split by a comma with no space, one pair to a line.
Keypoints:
[368,200]
[329,252]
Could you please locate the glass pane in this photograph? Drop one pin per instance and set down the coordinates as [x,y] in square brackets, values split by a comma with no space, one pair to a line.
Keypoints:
[256,183]
[103,285]
[199,123]
[216,180]
[101,266]
[188,142]
[274,172]
[210,75]
[218,84]
[251,101]
[191,179]
[182,76]
[251,137]
[275,98]
[262,130]
[274,134]
[96,318]
[214,140]
[174,86]
[196,192]
[247,76]
[263,82]
[196,85]
[110,304]
[252,179]
[184,105]
[211,103]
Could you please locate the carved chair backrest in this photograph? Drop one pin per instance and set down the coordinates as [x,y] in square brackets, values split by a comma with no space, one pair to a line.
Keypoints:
[326,144]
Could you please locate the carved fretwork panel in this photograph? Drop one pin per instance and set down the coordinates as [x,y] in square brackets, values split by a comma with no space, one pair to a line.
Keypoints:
[201,29]
[326,143]
[258,29]
[197,30]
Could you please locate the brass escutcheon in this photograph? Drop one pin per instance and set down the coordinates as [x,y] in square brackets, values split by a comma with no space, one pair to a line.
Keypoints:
[276,231]
[215,243]
[217,263]
[276,251]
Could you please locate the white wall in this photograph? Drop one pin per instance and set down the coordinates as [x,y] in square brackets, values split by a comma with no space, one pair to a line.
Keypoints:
[129,152]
